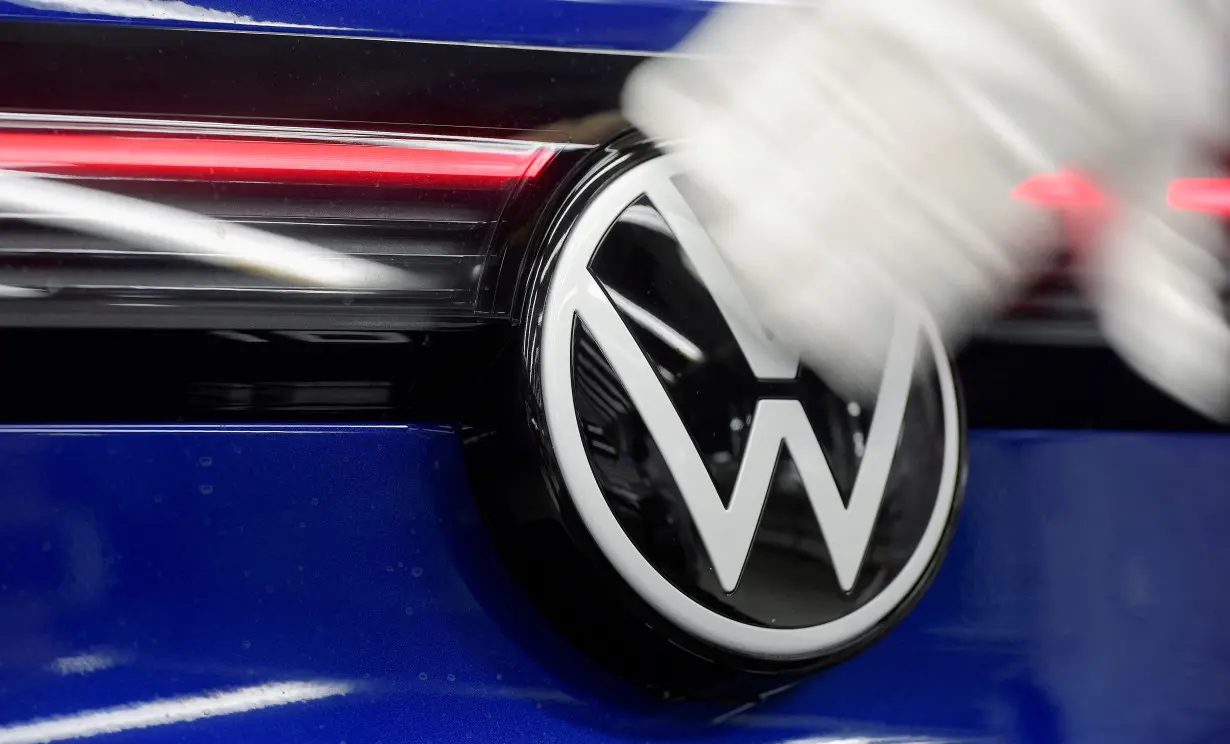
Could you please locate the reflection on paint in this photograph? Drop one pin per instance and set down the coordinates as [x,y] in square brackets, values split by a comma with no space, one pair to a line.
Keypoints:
[85,663]
[158,10]
[678,3]
[164,712]
[872,740]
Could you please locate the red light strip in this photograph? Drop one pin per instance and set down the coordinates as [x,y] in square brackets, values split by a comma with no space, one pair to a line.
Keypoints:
[1200,195]
[338,163]
[1071,191]
[1060,191]
[302,162]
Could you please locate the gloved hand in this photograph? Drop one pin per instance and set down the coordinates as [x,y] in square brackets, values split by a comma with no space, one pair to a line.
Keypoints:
[847,156]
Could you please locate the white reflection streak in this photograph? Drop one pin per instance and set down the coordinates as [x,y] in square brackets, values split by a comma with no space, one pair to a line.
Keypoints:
[20,292]
[84,663]
[657,327]
[163,712]
[157,227]
[687,2]
[872,740]
[163,10]
[646,217]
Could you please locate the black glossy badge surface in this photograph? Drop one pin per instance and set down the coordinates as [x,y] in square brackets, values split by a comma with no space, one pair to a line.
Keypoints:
[655,436]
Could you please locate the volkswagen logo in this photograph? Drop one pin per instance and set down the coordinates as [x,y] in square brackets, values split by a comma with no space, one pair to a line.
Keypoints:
[716,493]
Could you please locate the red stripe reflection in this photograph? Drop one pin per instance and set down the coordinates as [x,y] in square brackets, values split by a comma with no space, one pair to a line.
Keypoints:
[1060,191]
[1071,191]
[1200,195]
[310,162]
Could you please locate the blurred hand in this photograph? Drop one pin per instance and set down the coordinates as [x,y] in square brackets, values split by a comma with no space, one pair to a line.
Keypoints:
[849,156]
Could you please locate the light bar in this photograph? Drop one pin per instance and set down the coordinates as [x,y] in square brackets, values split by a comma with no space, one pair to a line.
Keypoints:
[176,232]
[267,161]
[1055,313]
[1200,195]
[1071,191]
[112,224]
[1059,191]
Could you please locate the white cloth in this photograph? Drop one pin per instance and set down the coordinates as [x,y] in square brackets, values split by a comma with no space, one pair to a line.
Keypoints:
[848,155]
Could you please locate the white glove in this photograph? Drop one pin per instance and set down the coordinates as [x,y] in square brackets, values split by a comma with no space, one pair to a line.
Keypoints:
[849,155]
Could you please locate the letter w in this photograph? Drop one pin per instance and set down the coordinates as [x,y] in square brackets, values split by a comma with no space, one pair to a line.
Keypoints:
[727,532]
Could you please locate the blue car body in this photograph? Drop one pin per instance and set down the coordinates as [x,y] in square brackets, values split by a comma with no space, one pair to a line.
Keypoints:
[653,25]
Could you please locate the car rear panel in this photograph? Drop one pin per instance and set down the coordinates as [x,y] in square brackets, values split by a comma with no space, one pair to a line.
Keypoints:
[235,508]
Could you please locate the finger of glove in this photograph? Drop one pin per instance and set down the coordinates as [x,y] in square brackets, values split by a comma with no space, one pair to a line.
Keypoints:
[855,164]
[885,188]
[1155,278]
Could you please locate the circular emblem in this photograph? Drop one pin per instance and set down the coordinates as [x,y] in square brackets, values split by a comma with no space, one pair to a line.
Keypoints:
[749,514]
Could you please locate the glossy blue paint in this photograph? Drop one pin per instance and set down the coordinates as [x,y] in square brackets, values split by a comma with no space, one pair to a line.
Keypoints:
[1080,602]
[644,25]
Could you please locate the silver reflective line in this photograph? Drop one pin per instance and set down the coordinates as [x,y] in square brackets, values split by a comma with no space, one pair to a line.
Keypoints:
[175,710]
[657,327]
[8,292]
[646,217]
[164,229]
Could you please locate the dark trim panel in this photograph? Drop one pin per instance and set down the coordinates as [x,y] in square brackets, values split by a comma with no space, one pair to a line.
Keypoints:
[453,375]
[1035,386]
[274,78]
[152,376]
